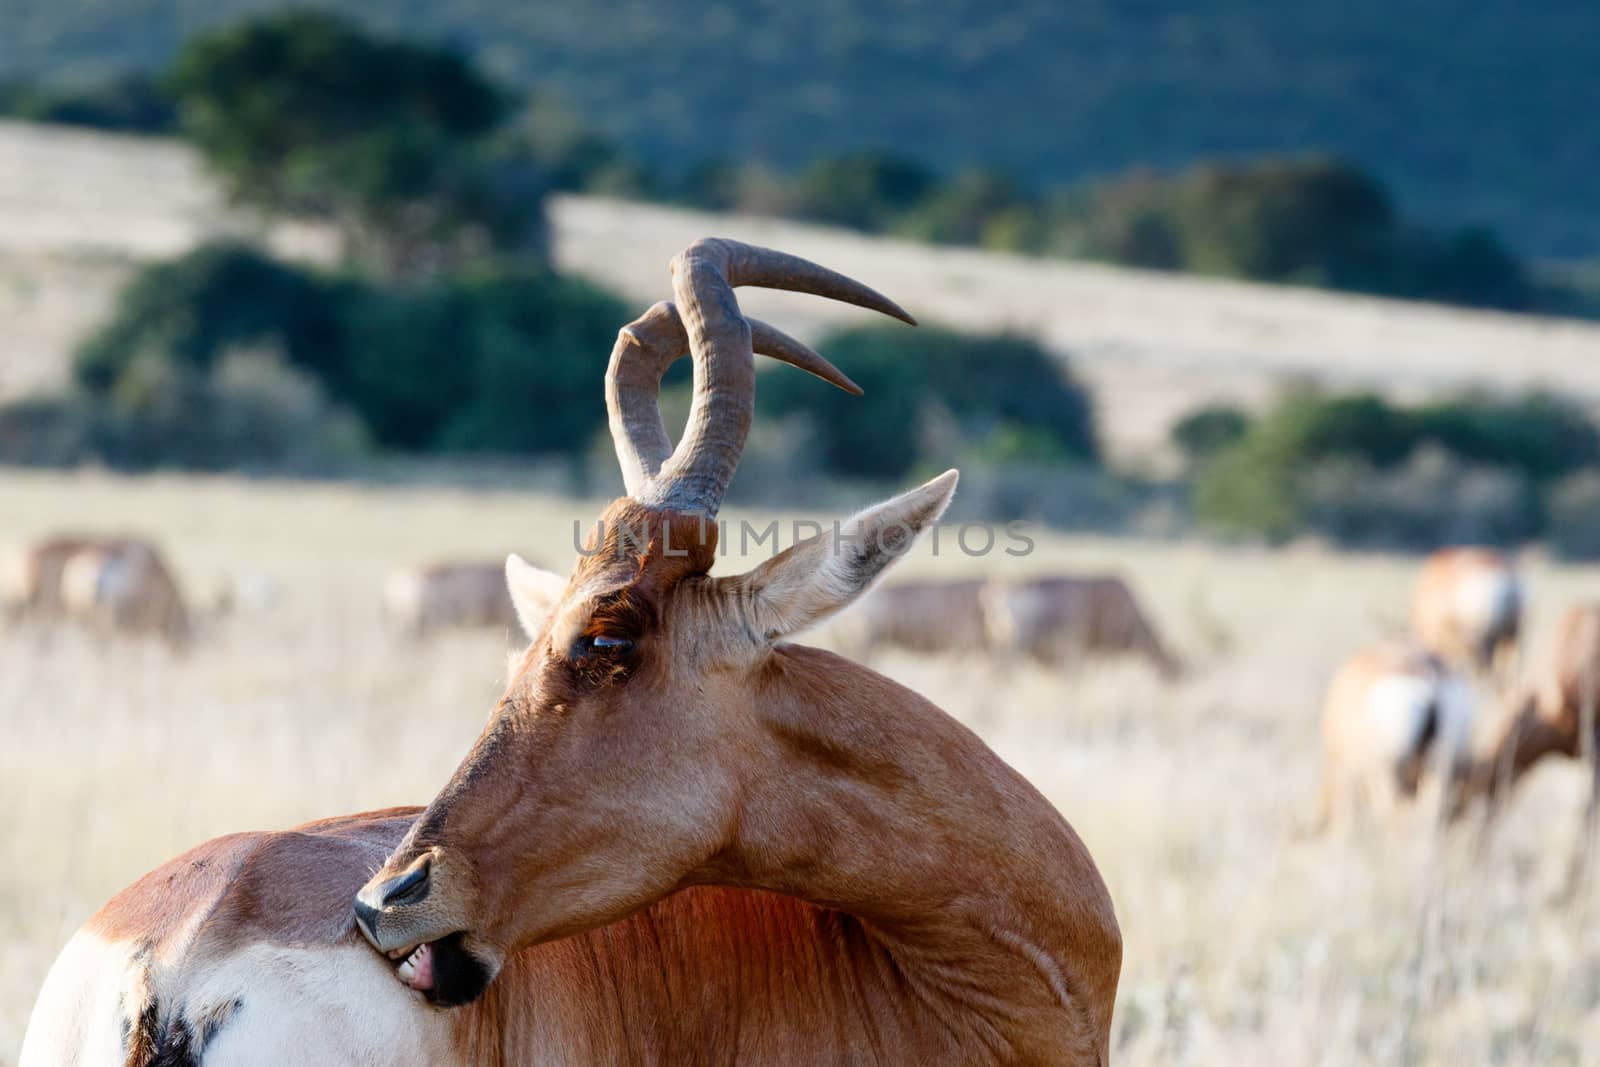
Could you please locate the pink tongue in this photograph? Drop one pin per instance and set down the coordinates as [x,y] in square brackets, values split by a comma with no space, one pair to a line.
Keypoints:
[422,969]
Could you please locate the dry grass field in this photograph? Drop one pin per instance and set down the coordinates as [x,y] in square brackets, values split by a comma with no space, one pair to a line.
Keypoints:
[1244,944]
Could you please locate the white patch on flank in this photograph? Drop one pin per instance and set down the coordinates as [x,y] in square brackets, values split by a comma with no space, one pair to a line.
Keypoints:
[329,1005]
[1397,709]
[1487,598]
[316,1006]
[78,1016]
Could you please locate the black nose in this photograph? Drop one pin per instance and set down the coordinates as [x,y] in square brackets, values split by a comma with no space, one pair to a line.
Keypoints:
[367,916]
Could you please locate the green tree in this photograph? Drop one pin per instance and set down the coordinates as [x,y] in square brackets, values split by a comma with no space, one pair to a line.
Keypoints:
[866,190]
[971,208]
[1314,221]
[305,114]
[490,359]
[1202,433]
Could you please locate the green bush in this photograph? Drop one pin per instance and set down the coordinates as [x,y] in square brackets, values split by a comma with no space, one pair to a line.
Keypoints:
[1291,468]
[219,296]
[55,431]
[869,191]
[494,359]
[1202,433]
[1314,221]
[1540,434]
[127,103]
[978,207]
[249,411]
[245,410]
[536,353]
[1432,498]
[997,391]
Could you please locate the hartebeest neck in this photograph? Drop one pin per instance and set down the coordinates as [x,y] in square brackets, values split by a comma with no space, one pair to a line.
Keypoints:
[870,801]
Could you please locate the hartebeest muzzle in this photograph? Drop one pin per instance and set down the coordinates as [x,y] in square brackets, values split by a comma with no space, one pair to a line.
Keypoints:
[428,949]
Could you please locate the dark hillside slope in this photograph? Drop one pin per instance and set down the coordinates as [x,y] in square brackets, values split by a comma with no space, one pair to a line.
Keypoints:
[1475,110]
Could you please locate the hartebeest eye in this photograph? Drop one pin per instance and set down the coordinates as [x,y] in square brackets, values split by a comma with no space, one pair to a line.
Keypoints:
[606,643]
[607,646]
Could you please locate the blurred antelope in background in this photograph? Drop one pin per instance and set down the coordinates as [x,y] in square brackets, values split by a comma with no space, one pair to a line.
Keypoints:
[114,585]
[1062,621]
[1553,714]
[424,599]
[30,577]
[1390,712]
[1467,609]
[931,617]
[679,838]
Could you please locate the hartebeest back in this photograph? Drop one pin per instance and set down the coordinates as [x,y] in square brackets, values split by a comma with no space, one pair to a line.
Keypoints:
[679,839]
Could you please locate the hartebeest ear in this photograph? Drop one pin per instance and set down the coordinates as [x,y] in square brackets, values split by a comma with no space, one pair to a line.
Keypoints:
[816,578]
[534,593]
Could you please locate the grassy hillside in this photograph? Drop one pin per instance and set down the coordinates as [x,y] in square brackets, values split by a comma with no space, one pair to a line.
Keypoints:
[1474,112]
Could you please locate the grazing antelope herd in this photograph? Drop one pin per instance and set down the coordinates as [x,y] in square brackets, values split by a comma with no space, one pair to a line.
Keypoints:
[1059,621]
[681,838]
[1398,711]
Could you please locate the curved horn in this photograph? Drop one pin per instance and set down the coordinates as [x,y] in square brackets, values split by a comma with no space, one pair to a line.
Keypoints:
[645,348]
[695,475]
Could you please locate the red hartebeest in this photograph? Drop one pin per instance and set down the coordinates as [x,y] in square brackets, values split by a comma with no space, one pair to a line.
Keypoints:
[1556,714]
[1467,609]
[421,600]
[1060,621]
[678,839]
[1390,711]
[114,584]
[30,576]
[1063,621]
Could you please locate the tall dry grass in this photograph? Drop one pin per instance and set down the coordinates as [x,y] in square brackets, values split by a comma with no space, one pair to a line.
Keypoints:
[1244,944]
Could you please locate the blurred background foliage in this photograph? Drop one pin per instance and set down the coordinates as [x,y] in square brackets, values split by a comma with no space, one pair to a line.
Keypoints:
[443,329]
[1475,110]
[1363,471]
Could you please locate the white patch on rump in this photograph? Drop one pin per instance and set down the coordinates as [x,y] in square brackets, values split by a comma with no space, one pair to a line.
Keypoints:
[1487,598]
[1397,709]
[78,1016]
[318,1006]
[327,1005]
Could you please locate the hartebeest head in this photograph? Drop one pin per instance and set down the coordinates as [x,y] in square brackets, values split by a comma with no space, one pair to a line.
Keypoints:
[617,766]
